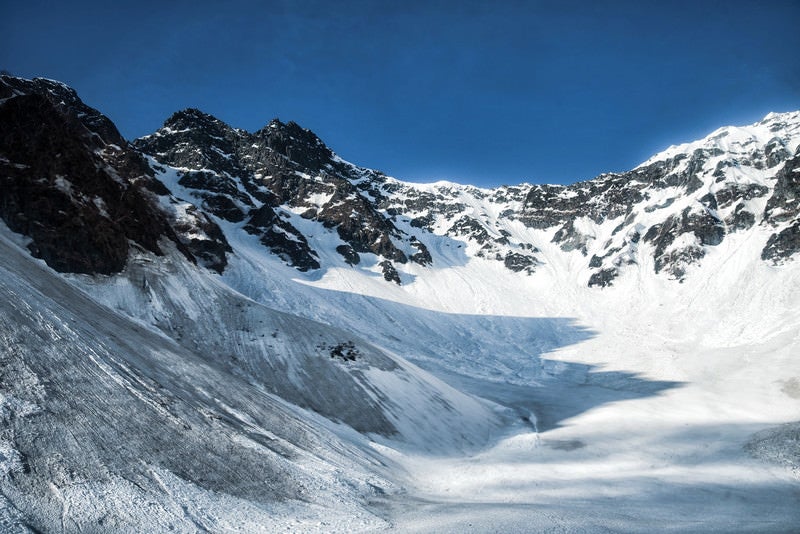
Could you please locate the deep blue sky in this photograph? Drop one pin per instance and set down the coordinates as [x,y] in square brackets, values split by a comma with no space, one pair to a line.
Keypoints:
[476,92]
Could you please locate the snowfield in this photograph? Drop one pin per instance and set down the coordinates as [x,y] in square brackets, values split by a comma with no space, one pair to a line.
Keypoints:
[653,406]
[469,398]
[658,406]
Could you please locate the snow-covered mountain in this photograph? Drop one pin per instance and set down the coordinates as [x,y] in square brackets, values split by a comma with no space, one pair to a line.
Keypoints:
[245,331]
[679,202]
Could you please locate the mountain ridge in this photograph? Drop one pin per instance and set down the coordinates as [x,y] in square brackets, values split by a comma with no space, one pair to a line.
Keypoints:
[304,344]
[262,179]
[723,207]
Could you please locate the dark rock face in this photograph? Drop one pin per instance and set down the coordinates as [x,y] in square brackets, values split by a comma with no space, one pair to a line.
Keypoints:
[735,192]
[606,197]
[297,145]
[390,274]
[603,278]
[726,207]
[723,204]
[203,238]
[422,256]
[350,256]
[738,194]
[75,187]
[549,205]
[360,225]
[191,128]
[475,230]
[681,171]
[66,101]
[784,206]
[288,167]
[782,245]
[72,184]
[775,152]
[520,262]
[571,239]
[282,238]
[740,219]
[69,236]
[706,229]
[220,195]
[470,228]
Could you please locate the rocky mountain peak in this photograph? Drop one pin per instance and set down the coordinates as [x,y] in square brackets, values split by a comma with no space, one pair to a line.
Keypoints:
[193,118]
[265,179]
[749,144]
[66,101]
[78,190]
[298,145]
[285,186]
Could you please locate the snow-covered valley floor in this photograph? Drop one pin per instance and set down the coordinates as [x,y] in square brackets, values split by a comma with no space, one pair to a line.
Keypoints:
[652,407]
[639,409]
[293,343]
[615,452]
[672,460]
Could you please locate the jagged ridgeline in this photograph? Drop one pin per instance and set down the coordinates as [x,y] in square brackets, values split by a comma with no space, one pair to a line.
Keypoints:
[81,193]
[94,195]
[238,355]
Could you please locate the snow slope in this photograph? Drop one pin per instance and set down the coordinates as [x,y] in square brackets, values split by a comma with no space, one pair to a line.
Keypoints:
[131,431]
[152,401]
[638,406]
[646,397]
[641,406]
[616,355]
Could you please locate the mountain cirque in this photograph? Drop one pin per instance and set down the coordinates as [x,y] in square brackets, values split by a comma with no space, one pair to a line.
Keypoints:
[679,203]
[214,330]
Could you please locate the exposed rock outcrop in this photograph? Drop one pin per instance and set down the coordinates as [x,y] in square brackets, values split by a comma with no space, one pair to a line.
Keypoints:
[74,186]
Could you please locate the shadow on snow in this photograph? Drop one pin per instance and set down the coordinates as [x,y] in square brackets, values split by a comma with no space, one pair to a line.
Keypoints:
[500,358]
